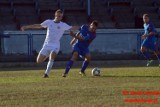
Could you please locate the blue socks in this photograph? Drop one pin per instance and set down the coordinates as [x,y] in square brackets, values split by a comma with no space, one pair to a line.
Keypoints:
[69,65]
[84,66]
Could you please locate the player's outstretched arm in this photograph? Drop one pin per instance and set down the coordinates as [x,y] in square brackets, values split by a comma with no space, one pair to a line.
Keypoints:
[34,26]
[73,41]
[74,28]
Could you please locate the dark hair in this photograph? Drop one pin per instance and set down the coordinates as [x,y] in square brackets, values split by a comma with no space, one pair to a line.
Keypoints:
[59,11]
[145,15]
[95,22]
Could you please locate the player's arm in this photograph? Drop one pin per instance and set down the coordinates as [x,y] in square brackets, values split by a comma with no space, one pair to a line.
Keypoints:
[34,26]
[74,28]
[151,31]
[76,36]
[74,39]
[147,35]
[150,34]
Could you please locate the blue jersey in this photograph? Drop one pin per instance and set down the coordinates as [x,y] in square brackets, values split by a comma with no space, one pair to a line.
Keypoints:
[149,42]
[149,27]
[87,35]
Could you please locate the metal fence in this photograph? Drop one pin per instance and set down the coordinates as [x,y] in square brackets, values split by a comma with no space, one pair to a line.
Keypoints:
[111,41]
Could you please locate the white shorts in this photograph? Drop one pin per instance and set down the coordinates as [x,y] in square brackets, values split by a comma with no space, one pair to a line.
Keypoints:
[46,50]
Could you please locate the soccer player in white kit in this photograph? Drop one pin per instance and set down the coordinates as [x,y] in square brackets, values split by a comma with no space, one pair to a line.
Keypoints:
[51,46]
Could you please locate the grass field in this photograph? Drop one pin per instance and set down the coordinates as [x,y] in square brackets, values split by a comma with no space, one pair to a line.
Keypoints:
[27,88]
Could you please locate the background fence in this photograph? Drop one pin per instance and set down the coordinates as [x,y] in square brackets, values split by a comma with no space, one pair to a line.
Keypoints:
[108,42]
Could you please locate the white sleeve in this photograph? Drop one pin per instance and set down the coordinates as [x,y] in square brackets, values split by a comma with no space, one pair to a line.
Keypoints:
[66,26]
[45,23]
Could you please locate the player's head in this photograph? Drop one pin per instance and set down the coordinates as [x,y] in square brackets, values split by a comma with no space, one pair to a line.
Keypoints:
[145,18]
[93,26]
[59,15]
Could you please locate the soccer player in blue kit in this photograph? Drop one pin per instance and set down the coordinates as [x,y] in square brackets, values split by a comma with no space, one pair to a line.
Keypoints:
[80,44]
[149,40]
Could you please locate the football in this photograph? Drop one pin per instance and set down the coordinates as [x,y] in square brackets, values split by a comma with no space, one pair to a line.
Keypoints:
[96,71]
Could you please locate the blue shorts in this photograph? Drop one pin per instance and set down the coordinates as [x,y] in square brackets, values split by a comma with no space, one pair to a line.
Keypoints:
[149,44]
[81,51]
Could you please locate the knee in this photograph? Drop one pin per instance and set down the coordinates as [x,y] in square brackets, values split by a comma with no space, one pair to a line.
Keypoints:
[156,52]
[38,61]
[52,56]
[75,56]
[88,58]
[142,50]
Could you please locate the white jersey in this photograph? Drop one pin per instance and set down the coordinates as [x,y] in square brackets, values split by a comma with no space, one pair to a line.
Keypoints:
[54,31]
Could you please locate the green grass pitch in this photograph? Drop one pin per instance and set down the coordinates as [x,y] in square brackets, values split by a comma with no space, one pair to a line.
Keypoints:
[27,88]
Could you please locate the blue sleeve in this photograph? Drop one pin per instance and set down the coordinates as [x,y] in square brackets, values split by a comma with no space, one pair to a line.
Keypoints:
[83,28]
[151,28]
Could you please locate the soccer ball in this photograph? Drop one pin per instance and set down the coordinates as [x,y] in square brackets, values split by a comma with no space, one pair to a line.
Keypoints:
[96,71]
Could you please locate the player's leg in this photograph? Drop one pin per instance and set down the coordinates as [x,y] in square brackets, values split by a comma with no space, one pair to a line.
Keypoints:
[153,47]
[41,58]
[70,63]
[43,55]
[52,56]
[157,53]
[145,44]
[85,63]
[146,55]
